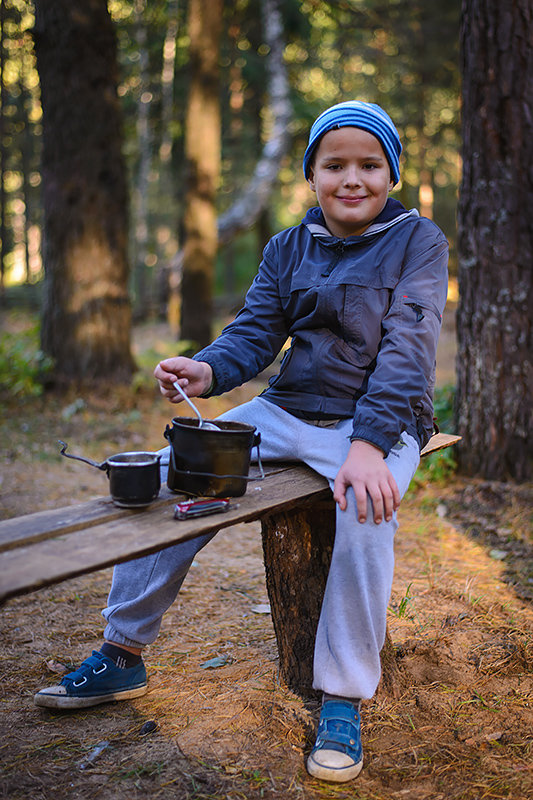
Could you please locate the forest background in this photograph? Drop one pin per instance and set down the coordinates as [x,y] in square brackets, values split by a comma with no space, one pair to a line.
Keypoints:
[404,56]
[459,722]
[149,150]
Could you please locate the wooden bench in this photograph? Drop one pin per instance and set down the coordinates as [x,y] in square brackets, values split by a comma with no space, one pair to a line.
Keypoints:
[293,503]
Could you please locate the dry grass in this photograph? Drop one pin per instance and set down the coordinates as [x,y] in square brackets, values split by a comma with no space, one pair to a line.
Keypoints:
[459,725]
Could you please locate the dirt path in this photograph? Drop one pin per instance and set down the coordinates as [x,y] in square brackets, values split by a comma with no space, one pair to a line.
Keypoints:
[459,724]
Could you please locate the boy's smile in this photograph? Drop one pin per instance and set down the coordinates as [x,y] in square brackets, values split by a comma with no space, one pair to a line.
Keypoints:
[351,177]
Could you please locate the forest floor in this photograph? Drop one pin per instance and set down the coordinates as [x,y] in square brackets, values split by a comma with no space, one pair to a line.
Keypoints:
[460,723]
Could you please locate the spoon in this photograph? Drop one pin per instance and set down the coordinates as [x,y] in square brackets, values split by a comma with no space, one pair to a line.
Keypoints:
[201,422]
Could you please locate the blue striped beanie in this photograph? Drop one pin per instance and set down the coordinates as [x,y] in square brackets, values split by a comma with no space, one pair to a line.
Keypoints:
[367,116]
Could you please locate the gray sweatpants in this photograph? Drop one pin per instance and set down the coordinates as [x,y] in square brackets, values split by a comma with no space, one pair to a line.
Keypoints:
[351,629]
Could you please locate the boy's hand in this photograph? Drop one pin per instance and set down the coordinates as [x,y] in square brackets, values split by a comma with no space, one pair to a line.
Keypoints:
[194,377]
[366,471]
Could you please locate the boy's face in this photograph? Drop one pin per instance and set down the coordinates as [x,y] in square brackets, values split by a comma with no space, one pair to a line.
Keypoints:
[351,177]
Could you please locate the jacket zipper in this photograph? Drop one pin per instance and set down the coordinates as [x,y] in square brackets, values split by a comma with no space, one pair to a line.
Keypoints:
[339,252]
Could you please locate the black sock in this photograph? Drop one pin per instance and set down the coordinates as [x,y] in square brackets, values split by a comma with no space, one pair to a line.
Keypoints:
[122,658]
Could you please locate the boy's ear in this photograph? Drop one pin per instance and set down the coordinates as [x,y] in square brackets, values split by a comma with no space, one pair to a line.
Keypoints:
[311,179]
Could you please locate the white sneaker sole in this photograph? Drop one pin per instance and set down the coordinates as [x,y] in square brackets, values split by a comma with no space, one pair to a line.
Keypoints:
[64,701]
[333,774]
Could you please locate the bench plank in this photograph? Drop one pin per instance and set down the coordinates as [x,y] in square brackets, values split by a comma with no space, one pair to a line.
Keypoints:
[31,528]
[438,442]
[47,547]
[135,533]
[45,524]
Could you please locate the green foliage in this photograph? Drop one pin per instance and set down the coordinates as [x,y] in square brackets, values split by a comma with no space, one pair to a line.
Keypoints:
[443,402]
[436,468]
[147,358]
[236,265]
[405,602]
[23,366]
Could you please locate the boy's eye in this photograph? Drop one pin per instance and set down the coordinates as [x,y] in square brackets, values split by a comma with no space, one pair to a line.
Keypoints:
[370,166]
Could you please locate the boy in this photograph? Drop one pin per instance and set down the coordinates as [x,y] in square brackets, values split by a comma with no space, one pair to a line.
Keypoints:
[359,287]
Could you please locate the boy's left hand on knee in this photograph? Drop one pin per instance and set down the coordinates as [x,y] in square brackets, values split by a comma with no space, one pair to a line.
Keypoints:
[367,473]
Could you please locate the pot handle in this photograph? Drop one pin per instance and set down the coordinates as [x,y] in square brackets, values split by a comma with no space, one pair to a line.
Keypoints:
[168,433]
[102,466]
[256,443]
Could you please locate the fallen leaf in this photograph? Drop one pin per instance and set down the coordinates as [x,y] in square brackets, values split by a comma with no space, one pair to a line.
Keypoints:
[218,661]
[261,608]
[57,666]
[493,736]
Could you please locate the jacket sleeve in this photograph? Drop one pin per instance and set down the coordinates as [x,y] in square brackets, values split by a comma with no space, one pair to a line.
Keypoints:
[253,340]
[411,327]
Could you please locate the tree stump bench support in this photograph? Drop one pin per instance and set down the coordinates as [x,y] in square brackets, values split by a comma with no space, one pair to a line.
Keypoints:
[296,511]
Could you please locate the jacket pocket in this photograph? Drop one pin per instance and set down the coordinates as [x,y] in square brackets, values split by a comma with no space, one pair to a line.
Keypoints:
[419,308]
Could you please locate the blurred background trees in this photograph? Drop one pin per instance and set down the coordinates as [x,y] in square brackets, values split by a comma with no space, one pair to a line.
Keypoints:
[404,55]
[277,65]
[202,158]
[86,316]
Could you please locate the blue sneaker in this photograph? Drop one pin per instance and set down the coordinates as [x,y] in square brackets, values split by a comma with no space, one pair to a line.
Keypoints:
[337,755]
[97,680]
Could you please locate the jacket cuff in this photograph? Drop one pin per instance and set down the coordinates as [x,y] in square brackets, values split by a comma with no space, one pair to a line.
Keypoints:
[372,436]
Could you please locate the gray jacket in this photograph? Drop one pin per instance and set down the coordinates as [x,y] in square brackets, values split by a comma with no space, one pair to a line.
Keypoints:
[362,315]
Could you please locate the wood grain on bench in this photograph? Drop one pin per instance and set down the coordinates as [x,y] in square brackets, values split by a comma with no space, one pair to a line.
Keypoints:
[47,547]
[40,549]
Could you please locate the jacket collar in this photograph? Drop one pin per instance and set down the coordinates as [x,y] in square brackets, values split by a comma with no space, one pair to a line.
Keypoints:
[392,213]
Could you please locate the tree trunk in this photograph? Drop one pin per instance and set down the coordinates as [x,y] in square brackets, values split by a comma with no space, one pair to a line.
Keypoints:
[25,155]
[141,301]
[202,148]
[3,154]
[297,548]
[495,371]
[86,314]
[198,257]
[169,267]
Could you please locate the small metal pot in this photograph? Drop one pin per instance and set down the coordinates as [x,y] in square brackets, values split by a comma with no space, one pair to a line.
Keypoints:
[134,477]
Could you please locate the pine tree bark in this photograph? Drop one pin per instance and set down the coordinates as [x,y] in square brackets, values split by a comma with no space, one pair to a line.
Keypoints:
[202,149]
[494,321]
[169,267]
[86,314]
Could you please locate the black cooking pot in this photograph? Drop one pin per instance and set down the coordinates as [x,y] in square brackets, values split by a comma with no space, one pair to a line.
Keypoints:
[210,463]
[134,477]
